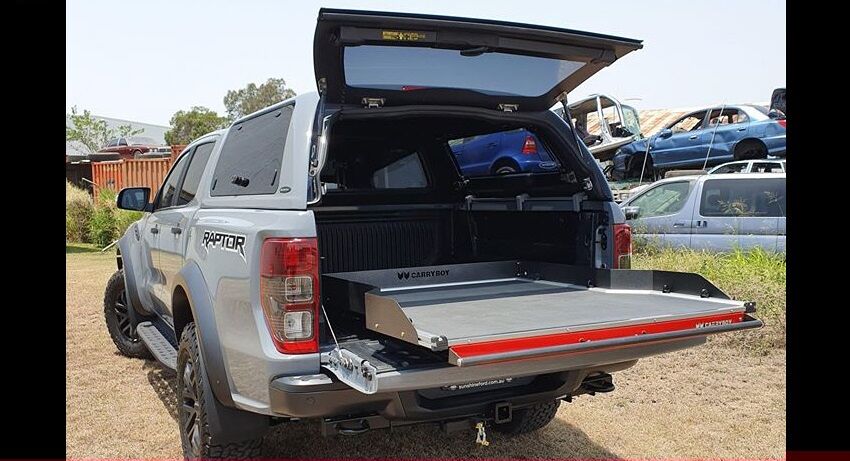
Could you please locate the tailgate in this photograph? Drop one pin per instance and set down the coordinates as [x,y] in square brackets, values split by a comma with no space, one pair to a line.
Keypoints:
[534,317]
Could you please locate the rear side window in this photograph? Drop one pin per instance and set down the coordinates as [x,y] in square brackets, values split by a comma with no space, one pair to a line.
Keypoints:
[193,174]
[250,159]
[726,116]
[761,198]
[767,167]
[404,173]
[732,168]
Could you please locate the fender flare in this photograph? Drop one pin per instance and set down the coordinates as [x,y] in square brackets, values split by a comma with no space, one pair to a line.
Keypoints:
[228,423]
[191,280]
[127,263]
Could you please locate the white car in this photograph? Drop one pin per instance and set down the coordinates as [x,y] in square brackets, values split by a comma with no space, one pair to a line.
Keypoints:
[750,166]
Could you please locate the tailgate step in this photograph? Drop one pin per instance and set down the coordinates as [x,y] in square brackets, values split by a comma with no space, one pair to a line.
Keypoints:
[159,346]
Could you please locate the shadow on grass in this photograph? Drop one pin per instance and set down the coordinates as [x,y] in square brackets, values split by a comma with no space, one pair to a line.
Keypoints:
[80,248]
[164,382]
[559,439]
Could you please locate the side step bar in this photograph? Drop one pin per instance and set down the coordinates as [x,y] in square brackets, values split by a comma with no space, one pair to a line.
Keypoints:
[159,346]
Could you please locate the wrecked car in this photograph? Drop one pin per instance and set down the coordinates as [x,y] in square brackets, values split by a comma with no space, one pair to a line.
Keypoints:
[621,124]
[701,139]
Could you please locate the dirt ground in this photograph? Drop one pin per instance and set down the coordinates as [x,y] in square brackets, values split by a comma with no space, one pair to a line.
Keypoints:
[706,402]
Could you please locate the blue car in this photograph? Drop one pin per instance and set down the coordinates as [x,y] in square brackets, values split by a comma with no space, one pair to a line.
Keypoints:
[506,152]
[702,139]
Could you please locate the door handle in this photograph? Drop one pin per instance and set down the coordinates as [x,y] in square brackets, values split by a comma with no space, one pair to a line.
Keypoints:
[701,223]
[176,230]
[678,224]
[742,129]
[694,136]
[154,230]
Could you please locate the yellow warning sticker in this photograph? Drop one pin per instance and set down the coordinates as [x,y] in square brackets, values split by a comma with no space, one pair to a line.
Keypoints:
[402,36]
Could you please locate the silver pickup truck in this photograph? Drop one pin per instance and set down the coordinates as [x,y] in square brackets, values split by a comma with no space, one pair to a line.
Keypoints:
[324,259]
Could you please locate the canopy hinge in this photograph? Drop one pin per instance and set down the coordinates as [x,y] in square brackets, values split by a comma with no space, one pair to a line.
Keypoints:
[508,107]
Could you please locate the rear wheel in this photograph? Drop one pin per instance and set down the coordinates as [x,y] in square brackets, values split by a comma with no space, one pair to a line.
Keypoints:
[119,323]
[529,419]
[196,397]
[750,149]
[505,169]
[137,154]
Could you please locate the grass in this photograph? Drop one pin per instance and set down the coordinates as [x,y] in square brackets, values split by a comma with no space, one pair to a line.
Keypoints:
[707,402]
[75,247]
[754,275]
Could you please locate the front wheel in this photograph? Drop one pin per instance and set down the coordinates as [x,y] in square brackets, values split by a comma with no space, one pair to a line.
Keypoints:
[529,419]
[119,323]
[195,397]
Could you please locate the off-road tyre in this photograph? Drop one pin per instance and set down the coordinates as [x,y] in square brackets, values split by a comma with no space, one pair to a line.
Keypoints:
[194,397]
[116,311]
[529,419]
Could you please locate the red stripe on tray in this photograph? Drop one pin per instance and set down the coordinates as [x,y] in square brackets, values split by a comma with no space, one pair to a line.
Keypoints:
[559,339]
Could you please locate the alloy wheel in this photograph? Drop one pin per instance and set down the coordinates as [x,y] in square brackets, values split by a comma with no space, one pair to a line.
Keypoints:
[190,420]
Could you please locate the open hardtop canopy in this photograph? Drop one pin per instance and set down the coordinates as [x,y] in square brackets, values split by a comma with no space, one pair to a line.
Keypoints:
[377,58]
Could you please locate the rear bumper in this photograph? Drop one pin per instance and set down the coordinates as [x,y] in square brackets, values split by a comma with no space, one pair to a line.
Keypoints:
[334,399]
[321,396]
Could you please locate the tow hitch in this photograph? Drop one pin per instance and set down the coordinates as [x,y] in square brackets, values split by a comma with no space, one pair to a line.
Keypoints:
[481,437]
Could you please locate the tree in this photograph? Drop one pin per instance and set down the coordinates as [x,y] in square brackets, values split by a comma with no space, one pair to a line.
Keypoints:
[191,124]
[94,133]
[252,98]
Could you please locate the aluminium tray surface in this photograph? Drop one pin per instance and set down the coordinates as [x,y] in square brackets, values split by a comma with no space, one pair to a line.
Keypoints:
[472,312]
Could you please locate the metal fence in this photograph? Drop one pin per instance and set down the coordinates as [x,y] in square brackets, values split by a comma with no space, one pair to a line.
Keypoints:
[119,174]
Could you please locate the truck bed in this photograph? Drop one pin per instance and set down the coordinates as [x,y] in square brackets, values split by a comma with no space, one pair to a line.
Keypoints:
[519,317]
[487,311]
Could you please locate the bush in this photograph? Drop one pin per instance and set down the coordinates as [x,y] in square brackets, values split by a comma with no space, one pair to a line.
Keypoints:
[78,212]
[752,275]
[108,223]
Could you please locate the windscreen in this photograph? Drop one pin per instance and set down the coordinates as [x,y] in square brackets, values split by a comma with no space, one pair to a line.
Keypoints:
[412,68]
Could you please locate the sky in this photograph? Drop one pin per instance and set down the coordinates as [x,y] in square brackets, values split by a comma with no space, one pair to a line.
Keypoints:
[145,60]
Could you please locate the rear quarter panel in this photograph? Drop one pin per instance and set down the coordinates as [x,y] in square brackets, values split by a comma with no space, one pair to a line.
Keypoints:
[232,278]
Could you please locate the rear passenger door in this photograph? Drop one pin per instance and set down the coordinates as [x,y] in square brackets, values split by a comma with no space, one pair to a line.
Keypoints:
[174,220]
[153,231]
[740,212]
[475,154]
[726,126]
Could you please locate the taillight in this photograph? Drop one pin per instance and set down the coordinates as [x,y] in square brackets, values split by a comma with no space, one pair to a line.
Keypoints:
[529,147]
[289,293]
[781,123]
[622,246]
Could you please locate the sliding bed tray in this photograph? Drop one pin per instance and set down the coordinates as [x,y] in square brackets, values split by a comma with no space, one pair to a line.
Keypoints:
[497,311]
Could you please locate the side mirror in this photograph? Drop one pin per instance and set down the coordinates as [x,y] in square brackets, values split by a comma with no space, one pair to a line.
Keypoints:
[134,198]
[631,212]
[665,133]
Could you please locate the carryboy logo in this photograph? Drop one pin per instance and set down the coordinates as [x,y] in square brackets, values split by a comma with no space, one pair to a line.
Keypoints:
[423,274]
[713,323]
[234,243]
